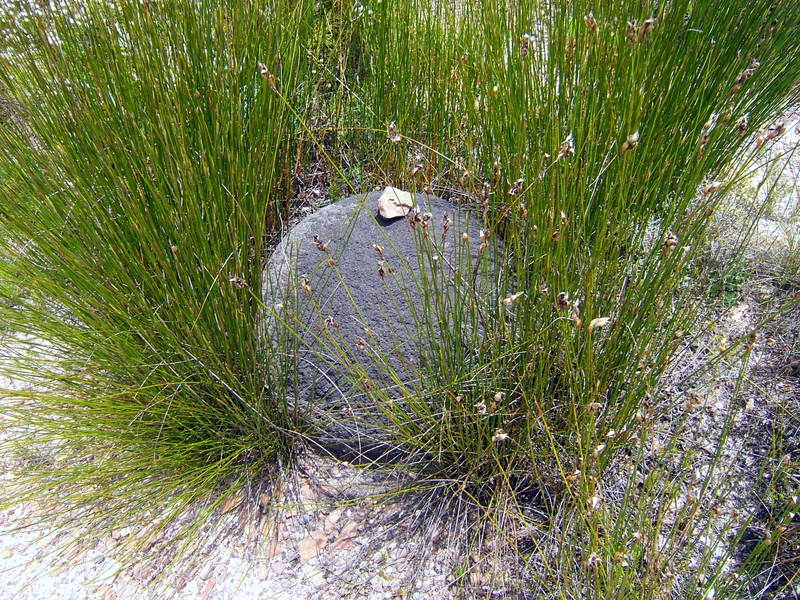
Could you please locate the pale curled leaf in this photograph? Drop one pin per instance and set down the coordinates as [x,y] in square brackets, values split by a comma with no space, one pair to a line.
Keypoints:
[394,203]
[598,323]
[508,301]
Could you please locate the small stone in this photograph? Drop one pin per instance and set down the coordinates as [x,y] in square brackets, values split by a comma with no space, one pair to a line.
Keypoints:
[278,566]
[343,544]
[205,571]
[332,519]
[317,578]
[142,573]
[394,203]
[349,530]
[310,546]
[180,584]
[307,492]
[122,532]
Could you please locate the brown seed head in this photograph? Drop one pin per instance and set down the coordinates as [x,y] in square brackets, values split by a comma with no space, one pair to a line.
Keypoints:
[776,130]
[630,143]
[591,23]
[499,435]
[321,246]
[646,28]
[239,283]
[562,301]
[517,187]
[567,147]
[393,133]
[304,283]
[632,33]
[575,313]
[741,125]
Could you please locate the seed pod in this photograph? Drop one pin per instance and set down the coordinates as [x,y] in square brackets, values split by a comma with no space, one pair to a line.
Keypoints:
[321,246]
[712,120]
[598,450]
[304,283]
[712,187]
[575,313]
[632,33]
[746,74]
[562,301]
[496,169]
[392,133]
[567,147]
[741,125]
[173,249]
[331,322]
[239,283]
[480,408]
[331,261]
[262,68]
[671,241]
[517,187]
[378,250]
[775,130]
[630,143]
[499,435]
[486,191]
[591,23]
[646,27]
[526,45]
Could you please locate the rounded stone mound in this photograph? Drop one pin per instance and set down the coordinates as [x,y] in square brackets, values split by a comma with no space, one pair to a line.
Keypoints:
[352,285]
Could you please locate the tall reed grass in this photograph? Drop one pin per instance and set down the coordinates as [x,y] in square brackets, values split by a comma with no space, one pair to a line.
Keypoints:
[597,150]
[138,200]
